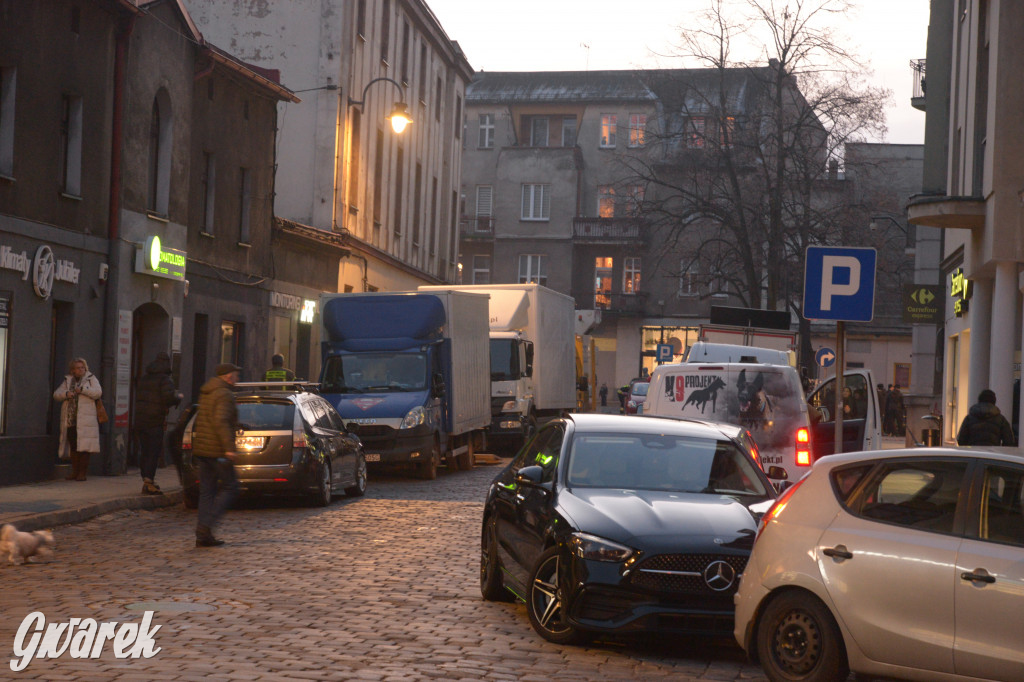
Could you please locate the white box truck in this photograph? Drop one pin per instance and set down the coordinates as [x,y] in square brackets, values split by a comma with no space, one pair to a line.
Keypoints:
[533,356]
[407,372]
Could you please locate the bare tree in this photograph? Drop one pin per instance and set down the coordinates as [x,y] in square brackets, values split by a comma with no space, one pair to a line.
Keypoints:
[738,173]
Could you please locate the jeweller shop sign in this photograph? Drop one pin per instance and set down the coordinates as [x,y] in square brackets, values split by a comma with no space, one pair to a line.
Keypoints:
[43,268]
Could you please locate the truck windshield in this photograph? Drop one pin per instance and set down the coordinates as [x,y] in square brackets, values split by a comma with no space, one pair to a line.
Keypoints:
[375,372]
[504,360]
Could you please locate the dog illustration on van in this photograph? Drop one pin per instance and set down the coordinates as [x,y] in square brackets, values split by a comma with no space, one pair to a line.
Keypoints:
[756,408]
[702,396]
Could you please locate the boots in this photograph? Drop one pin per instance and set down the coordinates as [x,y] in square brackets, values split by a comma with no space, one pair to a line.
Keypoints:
[150,488]
[74,466]
[204,538]
[83,466]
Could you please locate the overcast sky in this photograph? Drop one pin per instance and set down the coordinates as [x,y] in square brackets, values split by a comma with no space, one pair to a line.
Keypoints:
[576,35]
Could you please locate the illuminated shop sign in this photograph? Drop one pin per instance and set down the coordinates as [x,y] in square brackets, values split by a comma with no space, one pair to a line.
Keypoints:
[308,311]
[153,258]
[960,290]
[306,307]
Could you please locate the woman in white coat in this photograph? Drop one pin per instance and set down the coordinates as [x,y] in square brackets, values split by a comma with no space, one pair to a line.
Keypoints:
[79,428]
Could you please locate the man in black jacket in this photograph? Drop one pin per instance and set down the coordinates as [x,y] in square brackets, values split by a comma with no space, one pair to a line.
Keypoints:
[984,425]
[213,447]
[154,396]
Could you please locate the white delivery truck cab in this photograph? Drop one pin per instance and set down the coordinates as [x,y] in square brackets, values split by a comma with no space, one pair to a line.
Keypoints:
[766,399]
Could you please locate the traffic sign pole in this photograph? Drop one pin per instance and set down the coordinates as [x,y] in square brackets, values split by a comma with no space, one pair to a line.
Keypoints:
[840,365]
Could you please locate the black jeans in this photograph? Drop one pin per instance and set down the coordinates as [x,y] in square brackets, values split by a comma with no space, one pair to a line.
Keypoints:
[151,447]
[218,488]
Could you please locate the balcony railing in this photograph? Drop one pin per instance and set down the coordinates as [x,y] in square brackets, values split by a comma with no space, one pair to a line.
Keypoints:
[480,227]
[917,96]
[606,229]
[622,304]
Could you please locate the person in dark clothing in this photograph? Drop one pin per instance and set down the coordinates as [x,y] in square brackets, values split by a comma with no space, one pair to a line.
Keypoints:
[984,424]
[154,397]
[604,395]
[213,448]
[277,371]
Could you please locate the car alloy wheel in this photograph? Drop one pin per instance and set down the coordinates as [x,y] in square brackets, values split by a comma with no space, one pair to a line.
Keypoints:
[799,640]
[359,489]
[546,601]
[322,496]
[492,585]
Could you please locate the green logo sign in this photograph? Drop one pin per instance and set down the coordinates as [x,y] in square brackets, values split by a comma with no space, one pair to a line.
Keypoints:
[153,258]
[922,303]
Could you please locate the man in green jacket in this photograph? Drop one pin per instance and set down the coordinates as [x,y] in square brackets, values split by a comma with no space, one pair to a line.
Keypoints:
[213,447]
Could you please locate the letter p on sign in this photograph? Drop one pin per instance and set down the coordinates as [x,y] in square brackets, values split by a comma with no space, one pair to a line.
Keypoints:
[839,283]
[830,287]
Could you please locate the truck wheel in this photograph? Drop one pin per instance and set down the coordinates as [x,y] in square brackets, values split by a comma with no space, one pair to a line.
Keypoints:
[464,461]
[427,469]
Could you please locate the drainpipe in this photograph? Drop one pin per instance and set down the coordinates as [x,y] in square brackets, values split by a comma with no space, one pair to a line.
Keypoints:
[115,461]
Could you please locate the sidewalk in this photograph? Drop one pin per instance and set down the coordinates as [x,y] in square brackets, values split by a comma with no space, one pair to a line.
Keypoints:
[55,503]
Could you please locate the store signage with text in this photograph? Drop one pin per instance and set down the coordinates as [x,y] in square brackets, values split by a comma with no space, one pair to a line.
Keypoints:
[154,258]
[960,290]
[44,268]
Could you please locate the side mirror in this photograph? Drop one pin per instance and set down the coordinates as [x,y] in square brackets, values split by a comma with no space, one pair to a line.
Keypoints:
[529,358]
[438,385]
[530,475]
[777,473]
[782,486]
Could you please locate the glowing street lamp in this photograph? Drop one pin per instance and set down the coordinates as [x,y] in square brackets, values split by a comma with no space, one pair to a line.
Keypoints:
[399,115]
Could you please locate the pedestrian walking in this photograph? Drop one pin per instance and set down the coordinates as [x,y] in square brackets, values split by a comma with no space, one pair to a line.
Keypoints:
[79,425]
[213,447]
[155,395]
[888,413]
[984,424]
[604,395]
[880,397]
[277,371]
[899,411]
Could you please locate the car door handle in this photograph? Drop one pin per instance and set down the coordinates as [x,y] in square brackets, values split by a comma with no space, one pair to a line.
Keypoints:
[838,552]
[979,575]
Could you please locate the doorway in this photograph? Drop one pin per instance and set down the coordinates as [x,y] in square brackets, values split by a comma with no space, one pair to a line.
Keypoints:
[150,334]
[61,321]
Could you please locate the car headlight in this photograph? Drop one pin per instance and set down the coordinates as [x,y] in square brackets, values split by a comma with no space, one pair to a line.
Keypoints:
[416,417]
[588,546]
[509,406]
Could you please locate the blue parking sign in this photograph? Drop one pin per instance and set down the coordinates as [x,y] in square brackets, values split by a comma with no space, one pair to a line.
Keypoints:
[839,283]
[664,352]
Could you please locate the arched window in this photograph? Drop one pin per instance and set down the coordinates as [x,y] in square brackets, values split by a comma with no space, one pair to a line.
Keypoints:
[160,135]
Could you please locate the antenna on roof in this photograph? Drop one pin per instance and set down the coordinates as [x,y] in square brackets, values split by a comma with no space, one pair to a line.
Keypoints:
[587,48]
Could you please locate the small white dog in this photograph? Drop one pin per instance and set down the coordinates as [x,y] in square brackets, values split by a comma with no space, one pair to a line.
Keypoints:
[25,545]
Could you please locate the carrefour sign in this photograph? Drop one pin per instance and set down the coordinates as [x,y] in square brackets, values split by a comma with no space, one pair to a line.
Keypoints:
[153,258]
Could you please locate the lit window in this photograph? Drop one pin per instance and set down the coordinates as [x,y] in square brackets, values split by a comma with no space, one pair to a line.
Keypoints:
[603,282]
[606,201]
[695,132]
[536,202]
[631,275]
[532,269]
[637,128]
[608,122]
[728,127]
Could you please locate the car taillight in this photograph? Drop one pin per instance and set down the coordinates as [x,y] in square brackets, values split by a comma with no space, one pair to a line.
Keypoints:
[186,440]
[777,508]
[803,448]
[299,439]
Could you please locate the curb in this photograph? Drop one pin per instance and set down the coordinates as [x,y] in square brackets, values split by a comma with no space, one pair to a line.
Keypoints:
[65,517]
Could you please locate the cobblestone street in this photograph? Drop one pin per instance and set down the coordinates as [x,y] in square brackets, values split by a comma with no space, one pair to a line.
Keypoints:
[383,587]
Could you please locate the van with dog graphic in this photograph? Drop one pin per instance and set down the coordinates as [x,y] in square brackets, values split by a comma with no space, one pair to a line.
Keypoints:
[768,400]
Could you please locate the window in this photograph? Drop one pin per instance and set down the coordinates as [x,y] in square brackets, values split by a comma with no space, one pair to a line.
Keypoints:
[637,129]
[694,132]
[634,200]
[399,193]
[486,139]
[536,202]
[483,208]
[5,316]
[417,204]
[608,122]
[631,275]
[385,31]
[458,117]
[423,72]
[405,53]
[568,132]
[71,145]
[361,18]
[8,81]
[689,278]
[1002,505]
[606,201]
[378,177]
[244,204]
[727,128]
[717,286]
[539,132]
[532,269]
[231,342]
[160,138]
[353,175]
[437,100]
[433,222]
[603,282]
[481,269]
[920,495]
[208,193]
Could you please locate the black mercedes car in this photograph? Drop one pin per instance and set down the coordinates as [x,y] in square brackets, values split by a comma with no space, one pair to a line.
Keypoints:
[290,441]
[619,524]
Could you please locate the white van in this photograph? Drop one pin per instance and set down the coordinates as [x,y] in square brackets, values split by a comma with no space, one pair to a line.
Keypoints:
[766,399]
[706,351]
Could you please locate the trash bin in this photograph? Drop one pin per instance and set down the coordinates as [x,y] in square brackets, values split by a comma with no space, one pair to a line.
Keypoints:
[930,438]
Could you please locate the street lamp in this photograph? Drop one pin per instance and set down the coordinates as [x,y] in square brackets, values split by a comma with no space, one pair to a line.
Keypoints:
[909,236]
[399,115]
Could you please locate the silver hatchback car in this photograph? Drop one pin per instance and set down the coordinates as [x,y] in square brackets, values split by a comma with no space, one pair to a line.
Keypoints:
[898,563]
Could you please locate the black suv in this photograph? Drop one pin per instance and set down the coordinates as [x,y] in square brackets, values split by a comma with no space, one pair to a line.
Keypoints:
[290,440]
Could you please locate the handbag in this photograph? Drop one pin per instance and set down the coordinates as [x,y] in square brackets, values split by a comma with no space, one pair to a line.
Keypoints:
[101,412]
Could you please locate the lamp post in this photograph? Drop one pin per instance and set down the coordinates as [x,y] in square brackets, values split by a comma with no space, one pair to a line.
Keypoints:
[399,115]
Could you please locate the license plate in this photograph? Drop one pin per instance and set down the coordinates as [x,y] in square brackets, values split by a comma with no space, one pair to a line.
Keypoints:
[250,442]
[373,457]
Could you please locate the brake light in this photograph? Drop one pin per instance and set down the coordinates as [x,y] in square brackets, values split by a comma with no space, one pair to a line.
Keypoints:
[777,508]
[186,440]
[803,448]
[299,439]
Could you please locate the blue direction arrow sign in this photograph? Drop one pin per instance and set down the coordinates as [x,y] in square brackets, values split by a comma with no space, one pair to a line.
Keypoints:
[825,357]
[664,352]
[839,283]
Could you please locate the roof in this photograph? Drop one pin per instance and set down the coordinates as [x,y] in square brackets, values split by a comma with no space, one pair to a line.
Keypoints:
[593,422]
[1006,454]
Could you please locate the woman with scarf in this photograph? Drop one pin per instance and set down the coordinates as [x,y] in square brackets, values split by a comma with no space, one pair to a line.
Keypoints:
[79,428]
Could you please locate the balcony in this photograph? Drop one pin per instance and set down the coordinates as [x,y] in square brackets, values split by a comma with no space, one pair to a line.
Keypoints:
[961,212]
[622,304]
[476,229]
[607,230]
[917,96]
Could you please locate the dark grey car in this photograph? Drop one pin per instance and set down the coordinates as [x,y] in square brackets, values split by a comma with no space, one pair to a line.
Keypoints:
[290,442]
